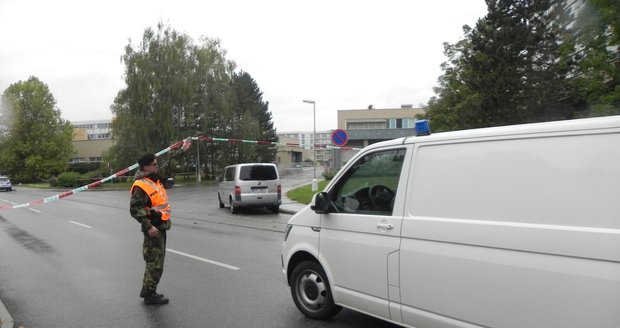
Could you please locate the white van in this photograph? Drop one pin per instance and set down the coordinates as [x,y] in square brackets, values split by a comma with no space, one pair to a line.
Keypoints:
[250,185]
[513,226]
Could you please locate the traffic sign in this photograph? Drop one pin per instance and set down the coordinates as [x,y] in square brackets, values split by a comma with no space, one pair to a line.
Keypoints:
[340,137]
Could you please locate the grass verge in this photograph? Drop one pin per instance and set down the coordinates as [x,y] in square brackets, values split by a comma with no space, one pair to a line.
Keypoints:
[303,194]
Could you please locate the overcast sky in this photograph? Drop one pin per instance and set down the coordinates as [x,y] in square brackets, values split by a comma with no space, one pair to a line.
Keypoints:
[341,54]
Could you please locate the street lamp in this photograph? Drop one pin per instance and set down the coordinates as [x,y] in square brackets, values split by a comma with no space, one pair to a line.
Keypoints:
[198,171]
[313,137]
[190,132]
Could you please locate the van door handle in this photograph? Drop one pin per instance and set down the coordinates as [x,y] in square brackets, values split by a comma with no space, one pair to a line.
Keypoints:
[385,226]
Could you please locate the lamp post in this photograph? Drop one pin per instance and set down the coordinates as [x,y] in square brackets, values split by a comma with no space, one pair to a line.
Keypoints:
[313,140]
[198,161]
[197,132]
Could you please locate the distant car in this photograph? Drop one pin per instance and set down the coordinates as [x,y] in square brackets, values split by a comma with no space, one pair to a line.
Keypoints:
[250,185]
[5,184]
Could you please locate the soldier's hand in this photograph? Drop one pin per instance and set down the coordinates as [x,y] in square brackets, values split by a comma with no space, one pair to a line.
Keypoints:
[153,232]
[155,214]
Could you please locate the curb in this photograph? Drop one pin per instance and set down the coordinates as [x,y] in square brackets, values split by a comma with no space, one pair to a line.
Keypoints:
[6,321]
[287,211]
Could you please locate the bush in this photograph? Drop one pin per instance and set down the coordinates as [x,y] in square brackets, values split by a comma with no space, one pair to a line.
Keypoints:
[92,175]
[84,167]
[329,174]
[53,182]
[68,179]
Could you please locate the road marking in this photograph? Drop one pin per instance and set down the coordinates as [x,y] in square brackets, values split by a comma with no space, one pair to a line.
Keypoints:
[80,224]
[36,211]
[203,259]
[10,202]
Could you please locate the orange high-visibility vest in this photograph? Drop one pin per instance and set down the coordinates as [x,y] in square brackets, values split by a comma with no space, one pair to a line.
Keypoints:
[157,194]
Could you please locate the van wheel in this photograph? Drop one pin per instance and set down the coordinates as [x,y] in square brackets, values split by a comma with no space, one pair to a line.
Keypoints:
[311,292]
[275,209]
[233,208]
[219,199]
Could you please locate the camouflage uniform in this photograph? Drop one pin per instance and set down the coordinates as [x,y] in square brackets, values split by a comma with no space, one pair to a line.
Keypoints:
[153,248]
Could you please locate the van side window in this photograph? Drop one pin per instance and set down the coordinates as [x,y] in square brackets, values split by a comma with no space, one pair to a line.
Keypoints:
[370,185]
[230,174]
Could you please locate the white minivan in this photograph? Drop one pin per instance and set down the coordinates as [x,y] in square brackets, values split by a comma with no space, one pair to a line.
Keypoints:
[515,226]
[250,185]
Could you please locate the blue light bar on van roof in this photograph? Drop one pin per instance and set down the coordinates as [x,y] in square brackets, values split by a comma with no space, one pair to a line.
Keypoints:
[422,128]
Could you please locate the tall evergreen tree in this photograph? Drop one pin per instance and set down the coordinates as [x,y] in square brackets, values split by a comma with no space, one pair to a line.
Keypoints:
[506,70]
[252,120]
[598,41]
[35,142]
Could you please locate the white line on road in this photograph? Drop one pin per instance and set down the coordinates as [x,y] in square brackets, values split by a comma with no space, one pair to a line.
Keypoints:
[80,224]
[10,202]
[36,211]
[203,259]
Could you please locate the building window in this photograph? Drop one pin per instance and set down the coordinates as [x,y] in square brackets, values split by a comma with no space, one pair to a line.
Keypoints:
[395,123]
[365,125]
[400,123]
[95,159]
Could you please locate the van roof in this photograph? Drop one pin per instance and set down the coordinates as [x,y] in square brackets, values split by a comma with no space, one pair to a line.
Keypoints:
[608,122]
[244,164]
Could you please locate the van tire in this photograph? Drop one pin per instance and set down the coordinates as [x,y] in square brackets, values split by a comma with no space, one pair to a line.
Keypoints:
[311,291]
[275,209]
[233,208]
[219,199]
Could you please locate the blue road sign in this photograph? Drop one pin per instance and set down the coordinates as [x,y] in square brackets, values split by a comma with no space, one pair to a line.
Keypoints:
[340,137]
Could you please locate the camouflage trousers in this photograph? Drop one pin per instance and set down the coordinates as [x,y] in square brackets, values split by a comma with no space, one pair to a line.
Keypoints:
[154,252]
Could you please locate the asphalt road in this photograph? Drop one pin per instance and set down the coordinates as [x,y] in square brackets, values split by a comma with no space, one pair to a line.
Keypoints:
[77,262]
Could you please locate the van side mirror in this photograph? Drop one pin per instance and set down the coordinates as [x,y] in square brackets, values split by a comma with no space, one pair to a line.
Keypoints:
[321,203]
[220,179]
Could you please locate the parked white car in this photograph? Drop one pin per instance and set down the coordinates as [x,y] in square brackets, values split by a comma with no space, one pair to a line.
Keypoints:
[514,226]
[250,185]
[5,184]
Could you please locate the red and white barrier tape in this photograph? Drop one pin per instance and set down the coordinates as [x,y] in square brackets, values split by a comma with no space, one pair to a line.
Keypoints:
[183,144]
[263,142]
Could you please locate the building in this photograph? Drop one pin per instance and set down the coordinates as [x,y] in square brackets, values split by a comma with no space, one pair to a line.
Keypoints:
[306,142]
[91,139]
[368,126]
[289,156]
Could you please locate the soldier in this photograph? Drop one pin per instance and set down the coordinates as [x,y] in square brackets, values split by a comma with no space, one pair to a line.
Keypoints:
[149,206]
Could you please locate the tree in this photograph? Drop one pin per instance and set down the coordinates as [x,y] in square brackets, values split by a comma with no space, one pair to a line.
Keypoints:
[251,120]
[150,110]
[598,40]
[35,142]
[507,70]
[214,100]
[176,89]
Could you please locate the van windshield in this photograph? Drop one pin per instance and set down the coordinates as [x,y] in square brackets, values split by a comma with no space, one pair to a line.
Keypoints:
[258,172]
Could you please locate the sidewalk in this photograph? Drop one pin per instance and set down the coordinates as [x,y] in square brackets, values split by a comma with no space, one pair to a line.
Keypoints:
[290,206]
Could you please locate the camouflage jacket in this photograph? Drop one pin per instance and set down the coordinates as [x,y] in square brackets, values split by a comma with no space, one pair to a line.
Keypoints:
[140,200]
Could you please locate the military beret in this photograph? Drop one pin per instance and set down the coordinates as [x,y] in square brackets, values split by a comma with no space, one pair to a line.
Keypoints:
[146,159]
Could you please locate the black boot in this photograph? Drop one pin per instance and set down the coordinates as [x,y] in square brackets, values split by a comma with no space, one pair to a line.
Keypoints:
[144,291]
[152,298]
